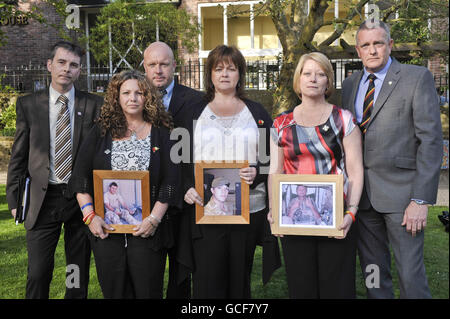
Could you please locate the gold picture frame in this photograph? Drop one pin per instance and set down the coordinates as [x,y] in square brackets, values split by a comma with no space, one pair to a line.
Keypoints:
[309,205]
[134,189]
[231,209]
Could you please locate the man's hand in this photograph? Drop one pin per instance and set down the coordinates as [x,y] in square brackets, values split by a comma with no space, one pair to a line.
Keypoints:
[13,212]
[415,218]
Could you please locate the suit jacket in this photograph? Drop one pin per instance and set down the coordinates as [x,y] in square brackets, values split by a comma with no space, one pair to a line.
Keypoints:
[30,151]
[183,98]
[403,141]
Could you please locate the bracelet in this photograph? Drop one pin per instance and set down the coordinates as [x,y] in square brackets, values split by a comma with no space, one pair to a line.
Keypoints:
[88,218]
[149,218]
[355,206]
[86,205]
[155,218]
[351,214]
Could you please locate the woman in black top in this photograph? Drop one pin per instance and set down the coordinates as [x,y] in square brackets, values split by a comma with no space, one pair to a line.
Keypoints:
[223,254]
[132,133]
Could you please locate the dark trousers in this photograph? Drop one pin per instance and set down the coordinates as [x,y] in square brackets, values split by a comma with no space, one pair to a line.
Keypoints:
[224,259]
[320,267]
[42,240]
[128,268]
[176,290]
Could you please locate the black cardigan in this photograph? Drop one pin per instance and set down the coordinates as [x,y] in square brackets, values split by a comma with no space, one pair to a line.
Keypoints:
[190,230]
[95,153]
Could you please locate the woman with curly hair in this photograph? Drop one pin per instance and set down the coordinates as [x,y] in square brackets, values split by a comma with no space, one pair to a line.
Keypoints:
[132,133]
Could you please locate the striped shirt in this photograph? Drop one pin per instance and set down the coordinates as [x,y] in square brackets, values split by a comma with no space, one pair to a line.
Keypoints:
[314,150]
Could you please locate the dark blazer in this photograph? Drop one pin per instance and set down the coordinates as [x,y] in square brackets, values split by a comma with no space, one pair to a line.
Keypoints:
[403,143]
[30,151]
[95,153]
[183,98]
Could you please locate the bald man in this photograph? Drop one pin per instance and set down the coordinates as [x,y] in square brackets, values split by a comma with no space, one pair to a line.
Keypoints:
[159,65]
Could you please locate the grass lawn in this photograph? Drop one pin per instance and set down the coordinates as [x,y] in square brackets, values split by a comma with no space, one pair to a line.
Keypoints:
[13,263]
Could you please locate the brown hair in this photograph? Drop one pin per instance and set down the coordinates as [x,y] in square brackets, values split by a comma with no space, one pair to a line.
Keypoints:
[112,118]
[71,47]
[230,54]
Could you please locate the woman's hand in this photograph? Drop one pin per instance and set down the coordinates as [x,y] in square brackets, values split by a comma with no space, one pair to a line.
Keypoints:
[97,226]
[145,229]
[192,197]
[248,174]
[346,224]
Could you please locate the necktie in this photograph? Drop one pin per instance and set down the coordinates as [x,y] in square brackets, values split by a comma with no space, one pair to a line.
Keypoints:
[368,103]
[63,143]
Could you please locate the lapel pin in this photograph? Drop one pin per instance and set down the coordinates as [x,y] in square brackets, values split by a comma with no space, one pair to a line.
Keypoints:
[325,127]
[260,122]
[107,151]
[79,113]
[154,149]
[390,82]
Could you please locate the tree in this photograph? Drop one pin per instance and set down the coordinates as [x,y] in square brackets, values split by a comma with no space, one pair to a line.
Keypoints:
[296,29]
[123,18]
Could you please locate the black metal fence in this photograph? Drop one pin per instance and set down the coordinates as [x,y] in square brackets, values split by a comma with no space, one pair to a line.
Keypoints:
[261,75]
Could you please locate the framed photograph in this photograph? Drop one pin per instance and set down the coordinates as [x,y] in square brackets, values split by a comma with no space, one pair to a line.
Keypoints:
[225,195]
[311,205]
[122,198]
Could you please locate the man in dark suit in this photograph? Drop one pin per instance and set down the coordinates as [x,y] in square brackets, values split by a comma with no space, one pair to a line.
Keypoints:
[160,64]
[396,107]
[50,127]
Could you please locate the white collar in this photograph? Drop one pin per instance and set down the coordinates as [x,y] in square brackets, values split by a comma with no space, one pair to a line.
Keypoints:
[54,95]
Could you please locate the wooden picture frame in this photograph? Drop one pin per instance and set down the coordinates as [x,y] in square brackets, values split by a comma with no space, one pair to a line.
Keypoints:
[134,189]
[236,202]
[319,213]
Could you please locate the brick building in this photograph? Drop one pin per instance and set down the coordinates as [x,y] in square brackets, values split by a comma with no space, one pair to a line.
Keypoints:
[254,34]
[28,41]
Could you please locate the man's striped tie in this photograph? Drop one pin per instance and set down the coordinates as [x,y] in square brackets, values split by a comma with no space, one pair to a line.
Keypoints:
[63,143]
[368,103]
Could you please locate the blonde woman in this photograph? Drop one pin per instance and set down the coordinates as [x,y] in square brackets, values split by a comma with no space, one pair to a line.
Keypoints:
[319,138]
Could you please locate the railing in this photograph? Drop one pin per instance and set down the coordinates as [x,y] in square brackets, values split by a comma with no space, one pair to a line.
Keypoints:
[261,75]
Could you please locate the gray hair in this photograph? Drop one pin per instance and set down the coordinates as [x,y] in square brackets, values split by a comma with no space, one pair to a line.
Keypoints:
[379,24]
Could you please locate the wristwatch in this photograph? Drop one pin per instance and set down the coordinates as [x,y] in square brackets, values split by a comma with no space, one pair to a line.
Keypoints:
[420,202]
